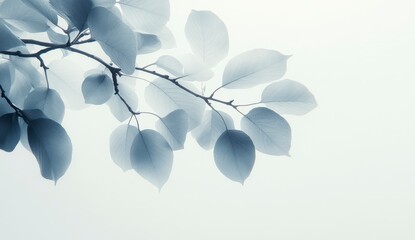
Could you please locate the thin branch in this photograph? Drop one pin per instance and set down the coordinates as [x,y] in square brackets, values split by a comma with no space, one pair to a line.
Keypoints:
[18,111]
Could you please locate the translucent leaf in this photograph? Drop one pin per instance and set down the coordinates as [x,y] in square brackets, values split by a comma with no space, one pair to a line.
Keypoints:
[9,132]
[171,65]
[31,114]
[270,132]
[116,39]
[8,40]
[57,37]
[288,97]
[234,155]
[121,141]
[20,88]
[147,43]
[174,127]
[25,68]
[212,126]
[48,101]
[207,36]
[103,3]
[148,16]
[118,108]
[164,97]
[66,77]
[194,69]
[97,89]
[5,107]
[254,67]
[23,17]
[166,38]
[6,75]
[51,146]
[76,11]
[152,157]
[44,8]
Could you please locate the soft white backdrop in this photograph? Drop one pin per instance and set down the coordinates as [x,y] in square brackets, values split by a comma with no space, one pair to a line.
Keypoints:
[351,174]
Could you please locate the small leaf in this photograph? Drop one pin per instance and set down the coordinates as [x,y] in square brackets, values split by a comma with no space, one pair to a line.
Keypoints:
[174,128]
[164,97]
[121,141]
[9,131]
[51,146]
[44,8]
[171,65]
[116,39]
[8,40]
[57,37]
[254,67]
[148,16]
[147,43]
[212,126]
[97,89]
[208,36]
[76,11]
[152,157]
[48,101]
[234,155]
[270,132]
[118,108]
[288,97]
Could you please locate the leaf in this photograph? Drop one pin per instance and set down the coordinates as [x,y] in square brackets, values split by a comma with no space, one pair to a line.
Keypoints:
[24,67]
[288,97]
[104,3]
[234,155]
[121,141]
[116,39]
[44,8]
[148,16]
[51,146]
[164,97]
[152,157]
[166,38]
[254,67]
[57,37]
[23,17]
[6,75]
[207,36]
[97,89]
[8,40]
[48,101]
[174,127]
[9,131]
[66,77]
[4,107]
[31,114]
[76,11]
[20,88]
[147,43]
[212,126]
[270,132]
[194,69]
[118,108]
[170,64]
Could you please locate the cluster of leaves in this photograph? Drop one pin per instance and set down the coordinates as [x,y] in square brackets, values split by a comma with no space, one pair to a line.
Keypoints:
[33,104]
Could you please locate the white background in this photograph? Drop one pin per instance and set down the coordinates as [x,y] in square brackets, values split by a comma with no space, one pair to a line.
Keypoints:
[351,174]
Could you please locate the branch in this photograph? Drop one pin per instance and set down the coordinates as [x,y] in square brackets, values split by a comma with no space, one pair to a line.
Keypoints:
[18,111]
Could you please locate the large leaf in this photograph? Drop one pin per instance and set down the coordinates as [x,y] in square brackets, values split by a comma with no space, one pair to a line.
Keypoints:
[254,67]
[76,11]
[289,97]
[51,146]
[48,101]
[116,39]
[208,36]
[9,132]
[152,157]
[23,17]
[8,40]
[148,16]
[97,89]
[44,8]
[118,108]
[270,132]
[212,126]
[164,97]
[174,128]
[121,141]
[234,155]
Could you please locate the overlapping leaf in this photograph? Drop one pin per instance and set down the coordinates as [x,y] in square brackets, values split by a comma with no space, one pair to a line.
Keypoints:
[9,131]
[8,40]
[75,11]
[118,108]
[121,140]
[174,128]
[97,89]
[48,101]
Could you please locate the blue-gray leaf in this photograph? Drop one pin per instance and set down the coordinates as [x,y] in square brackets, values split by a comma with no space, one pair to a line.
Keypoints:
[174,128]
[43,7]
[51,146]
[9,131]
[207,36]
[234,155]
[212,126]
[288,97]
[118,108]
[116,39]
[76,11]
[97,89]
[270,132]
[152,157]
[8,40]
[6,75]
[254,67]
[31,114]
[121,141]
[147,43]
[48,101]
